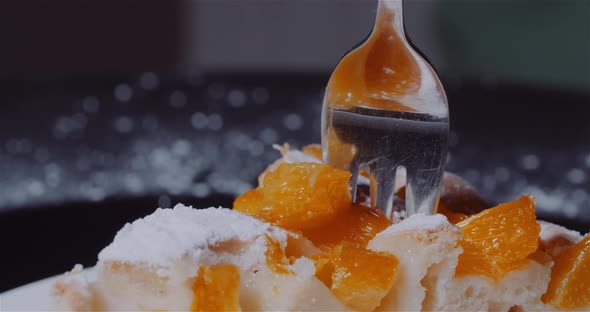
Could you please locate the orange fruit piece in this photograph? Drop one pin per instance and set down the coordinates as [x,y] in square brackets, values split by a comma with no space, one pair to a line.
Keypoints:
[249,202]
[323,267]
[217,288]
[298,196]
[569,287]
[360,278]
[275,257]
[358,224]
[314,150]
[499,239]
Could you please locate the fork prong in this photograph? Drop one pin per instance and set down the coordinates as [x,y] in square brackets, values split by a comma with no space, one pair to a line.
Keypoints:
[382,185]
[423,189]
[354,169]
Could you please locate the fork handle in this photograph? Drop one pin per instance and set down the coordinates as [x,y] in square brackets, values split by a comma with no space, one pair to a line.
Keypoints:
[387,7]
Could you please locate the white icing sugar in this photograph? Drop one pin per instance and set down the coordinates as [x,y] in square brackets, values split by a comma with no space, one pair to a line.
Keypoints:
[550,231]
[418,221]
[75,276]
[296,156]
[168,234]
[78,279]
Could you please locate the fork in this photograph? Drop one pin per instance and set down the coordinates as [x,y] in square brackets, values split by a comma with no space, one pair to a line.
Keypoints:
[385,108]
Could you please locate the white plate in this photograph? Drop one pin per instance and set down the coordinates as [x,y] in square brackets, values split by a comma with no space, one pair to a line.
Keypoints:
[35,296]
[32,297]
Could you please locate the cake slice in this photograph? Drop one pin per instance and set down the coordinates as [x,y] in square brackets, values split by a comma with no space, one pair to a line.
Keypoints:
[298,243]
[517,288]
[73,291]
[420,243]
[428,250]
[512,269]
[172,260]
[154,264]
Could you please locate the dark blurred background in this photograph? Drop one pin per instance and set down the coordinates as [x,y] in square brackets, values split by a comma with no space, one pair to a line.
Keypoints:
[109,109]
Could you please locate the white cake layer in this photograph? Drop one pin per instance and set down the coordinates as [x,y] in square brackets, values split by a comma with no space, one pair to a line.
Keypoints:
[169,234]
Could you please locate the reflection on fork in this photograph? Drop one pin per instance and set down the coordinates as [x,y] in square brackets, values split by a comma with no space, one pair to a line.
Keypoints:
[385,107]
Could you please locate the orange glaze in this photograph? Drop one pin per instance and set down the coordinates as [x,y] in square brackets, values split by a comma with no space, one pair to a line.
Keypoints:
[376,72]
[569,287]
[275,257]
[500,239]
[217,288]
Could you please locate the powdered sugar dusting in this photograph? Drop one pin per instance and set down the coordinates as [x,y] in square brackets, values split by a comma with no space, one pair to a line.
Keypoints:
[550,231]
[168,234]
[75,277]
[295,156]
[76,280]
[418,222]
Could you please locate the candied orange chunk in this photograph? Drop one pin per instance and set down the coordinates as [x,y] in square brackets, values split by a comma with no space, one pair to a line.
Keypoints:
[569,287]
[499,239]
[217,288]
[360,278]
[314,150]
[249,203]
[275,257]
[298,196]
[358,224]
[323,268]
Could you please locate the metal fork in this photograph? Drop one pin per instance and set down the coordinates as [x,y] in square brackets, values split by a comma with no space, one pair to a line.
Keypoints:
[385,107]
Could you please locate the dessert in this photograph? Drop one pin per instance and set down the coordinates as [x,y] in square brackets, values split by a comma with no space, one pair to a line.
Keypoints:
[172,258]
[297,242]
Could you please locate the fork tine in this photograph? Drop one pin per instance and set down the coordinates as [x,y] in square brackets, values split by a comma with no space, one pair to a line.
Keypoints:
[354,169]
[423,189]
[382,185]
